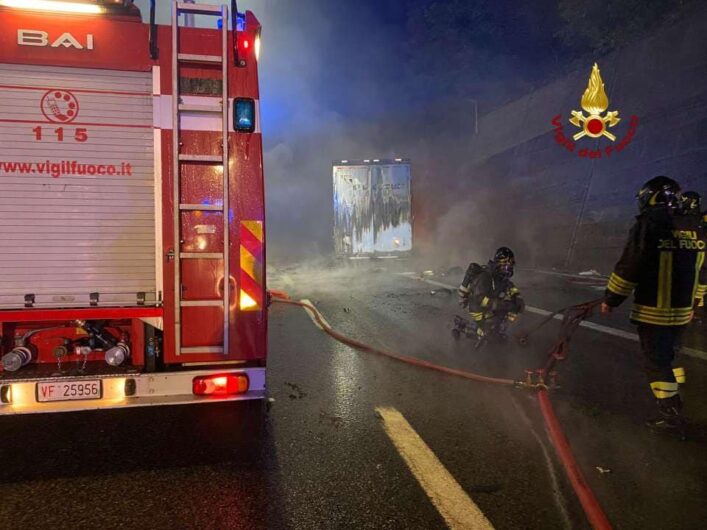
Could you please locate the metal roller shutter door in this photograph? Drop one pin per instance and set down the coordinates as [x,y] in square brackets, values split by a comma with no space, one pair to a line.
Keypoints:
[77,186]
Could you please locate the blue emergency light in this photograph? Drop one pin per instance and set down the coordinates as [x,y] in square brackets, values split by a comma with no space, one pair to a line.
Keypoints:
[240,22]
[244,115]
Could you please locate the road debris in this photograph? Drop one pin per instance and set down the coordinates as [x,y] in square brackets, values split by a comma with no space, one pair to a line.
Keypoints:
[590,272]
[335,421]
[603,470]
[454,271]
[297,392]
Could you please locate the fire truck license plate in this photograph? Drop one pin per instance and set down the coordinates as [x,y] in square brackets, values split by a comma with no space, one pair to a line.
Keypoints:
[69,390]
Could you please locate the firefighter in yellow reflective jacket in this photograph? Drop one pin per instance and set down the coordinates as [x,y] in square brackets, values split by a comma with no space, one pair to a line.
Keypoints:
[491,297]
[663,263]
[692,205]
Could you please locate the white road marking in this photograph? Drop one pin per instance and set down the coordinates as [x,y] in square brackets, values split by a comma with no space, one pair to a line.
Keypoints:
[692,352]
[568,275]
[311,314]
[452,502]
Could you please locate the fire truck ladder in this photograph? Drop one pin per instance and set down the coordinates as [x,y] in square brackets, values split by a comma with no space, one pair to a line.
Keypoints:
[179,159]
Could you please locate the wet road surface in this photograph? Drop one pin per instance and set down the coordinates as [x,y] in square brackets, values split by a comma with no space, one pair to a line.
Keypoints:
[321,456]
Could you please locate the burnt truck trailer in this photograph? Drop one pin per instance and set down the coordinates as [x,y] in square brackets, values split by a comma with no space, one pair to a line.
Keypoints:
[132,251]
[372,208]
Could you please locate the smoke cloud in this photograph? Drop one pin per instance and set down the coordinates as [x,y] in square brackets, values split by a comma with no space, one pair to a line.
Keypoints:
[404,78]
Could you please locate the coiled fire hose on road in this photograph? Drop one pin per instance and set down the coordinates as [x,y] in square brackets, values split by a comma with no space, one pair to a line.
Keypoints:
[573,316]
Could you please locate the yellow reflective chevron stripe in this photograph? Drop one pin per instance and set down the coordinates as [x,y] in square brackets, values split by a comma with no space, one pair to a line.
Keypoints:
[664,389]
[249,264]
[252,257]
[513,290]
[485,302]
[679,374]
[511,316]
[620,286]
[477,316]
[665,279]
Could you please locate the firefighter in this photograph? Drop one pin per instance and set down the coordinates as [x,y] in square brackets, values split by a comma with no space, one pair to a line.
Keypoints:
[692,203]
[493,301]
[663,263]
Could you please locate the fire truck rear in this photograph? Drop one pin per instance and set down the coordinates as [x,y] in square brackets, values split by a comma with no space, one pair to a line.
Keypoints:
[132,230]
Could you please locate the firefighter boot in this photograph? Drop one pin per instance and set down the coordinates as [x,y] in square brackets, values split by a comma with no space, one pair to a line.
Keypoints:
[669,419]
[460,326]
[502,330]
[480,336]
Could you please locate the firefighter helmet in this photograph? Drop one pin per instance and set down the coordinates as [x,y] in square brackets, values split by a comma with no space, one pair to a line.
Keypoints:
[692,202]
[504,260]
[659,192]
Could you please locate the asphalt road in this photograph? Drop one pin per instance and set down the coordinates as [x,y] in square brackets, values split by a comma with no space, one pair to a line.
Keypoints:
[325,455]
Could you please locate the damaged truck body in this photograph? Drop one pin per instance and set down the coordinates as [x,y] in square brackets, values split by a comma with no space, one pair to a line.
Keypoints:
[372,208]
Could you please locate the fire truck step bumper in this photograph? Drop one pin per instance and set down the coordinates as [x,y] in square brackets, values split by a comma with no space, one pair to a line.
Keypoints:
[23,396]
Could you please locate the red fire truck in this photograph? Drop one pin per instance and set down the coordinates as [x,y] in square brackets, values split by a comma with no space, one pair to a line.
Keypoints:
[132,251]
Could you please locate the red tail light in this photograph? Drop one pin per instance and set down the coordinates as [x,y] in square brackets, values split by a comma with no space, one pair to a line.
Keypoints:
[243,43]
[220,385]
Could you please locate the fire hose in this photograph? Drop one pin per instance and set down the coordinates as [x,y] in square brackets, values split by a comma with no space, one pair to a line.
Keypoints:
[402,358]
[572,317]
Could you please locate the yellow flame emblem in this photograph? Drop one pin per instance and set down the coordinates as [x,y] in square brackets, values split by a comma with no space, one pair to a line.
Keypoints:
[594,102]
[594,99]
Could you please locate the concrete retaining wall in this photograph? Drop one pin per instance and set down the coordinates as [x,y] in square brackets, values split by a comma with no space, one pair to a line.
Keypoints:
[560,210]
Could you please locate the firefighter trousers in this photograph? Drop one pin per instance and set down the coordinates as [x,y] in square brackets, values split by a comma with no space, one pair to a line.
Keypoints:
[660,345]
